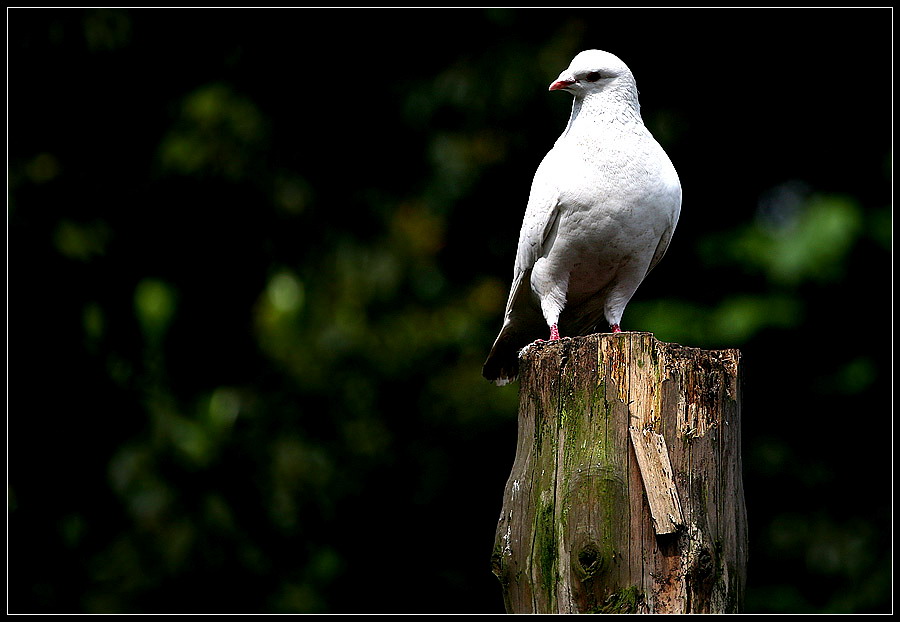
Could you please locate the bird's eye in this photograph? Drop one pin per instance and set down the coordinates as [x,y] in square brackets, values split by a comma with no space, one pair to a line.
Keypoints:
[593,76]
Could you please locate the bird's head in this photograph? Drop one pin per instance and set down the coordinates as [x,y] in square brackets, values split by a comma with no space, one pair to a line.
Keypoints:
[592,71]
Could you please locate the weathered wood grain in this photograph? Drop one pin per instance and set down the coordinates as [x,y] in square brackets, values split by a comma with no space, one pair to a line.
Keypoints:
[626,492]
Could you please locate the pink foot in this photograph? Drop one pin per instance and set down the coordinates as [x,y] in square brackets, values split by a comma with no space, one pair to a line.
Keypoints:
[615,328]
[554,333]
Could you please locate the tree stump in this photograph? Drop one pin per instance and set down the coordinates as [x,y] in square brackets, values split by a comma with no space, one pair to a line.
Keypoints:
[626,493]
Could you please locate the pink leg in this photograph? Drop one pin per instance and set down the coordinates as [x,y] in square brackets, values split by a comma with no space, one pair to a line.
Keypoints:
[554,333]
[615,328]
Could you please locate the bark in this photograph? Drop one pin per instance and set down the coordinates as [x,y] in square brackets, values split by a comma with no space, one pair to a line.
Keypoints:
[626,492]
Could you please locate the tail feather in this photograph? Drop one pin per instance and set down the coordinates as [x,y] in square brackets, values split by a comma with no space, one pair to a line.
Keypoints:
[502,364]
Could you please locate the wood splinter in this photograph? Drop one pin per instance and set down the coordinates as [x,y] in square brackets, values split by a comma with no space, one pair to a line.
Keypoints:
[656,473]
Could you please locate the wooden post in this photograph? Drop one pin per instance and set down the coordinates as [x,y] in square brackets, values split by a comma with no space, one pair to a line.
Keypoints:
[626,492]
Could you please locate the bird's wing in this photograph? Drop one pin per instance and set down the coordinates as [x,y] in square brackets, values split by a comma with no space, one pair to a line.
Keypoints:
[664,240]
[524,321]
[539,228]
[661,248]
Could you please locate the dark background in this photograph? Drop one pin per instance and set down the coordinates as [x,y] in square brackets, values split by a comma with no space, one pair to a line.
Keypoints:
[257,257]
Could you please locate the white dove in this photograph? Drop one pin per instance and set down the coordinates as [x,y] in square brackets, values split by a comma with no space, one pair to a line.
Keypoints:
[603,206]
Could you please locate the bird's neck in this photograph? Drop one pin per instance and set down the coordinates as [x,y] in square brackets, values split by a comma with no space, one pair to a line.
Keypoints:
[603,112]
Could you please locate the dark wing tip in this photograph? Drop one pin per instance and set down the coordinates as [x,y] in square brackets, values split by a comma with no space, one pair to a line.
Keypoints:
[502,364]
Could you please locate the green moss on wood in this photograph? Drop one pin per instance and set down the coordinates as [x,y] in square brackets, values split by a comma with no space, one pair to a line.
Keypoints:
[626,600]
[547,549]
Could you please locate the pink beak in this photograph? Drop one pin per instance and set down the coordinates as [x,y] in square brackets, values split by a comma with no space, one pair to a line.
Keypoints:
[561,84]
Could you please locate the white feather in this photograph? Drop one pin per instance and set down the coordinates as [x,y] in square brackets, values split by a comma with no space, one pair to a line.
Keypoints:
[603,206]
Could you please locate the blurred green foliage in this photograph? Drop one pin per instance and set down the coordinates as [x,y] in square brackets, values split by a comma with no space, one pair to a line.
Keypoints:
[254,270]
